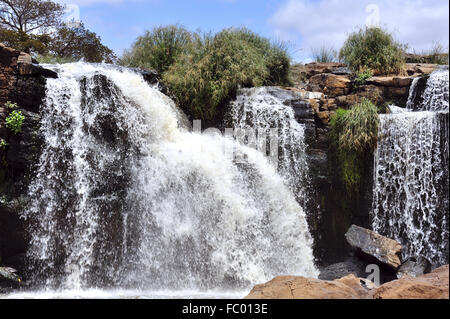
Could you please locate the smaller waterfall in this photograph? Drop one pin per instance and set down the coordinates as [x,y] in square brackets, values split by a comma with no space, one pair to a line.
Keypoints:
[411,177]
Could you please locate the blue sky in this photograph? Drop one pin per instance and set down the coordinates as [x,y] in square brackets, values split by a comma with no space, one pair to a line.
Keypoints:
[304,24]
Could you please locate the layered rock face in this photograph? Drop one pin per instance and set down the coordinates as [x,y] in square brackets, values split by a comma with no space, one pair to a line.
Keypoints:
[434,285]
[21,82]
[325,87]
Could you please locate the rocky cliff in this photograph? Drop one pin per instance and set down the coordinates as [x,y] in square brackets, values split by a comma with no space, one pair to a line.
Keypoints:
[22,82]
[322,88]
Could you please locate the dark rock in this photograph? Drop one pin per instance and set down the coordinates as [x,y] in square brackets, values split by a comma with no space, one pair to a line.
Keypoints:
[414,266]
[383,249]
[342,71]
[351,266]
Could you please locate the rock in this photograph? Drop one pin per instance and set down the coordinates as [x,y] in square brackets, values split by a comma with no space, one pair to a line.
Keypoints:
[352,266]
[391,81]
[434,285]
[330,84]
[383,249]
[315,68]
[292,287]
[417,69]
[342,71]
[414,266]
[9,274]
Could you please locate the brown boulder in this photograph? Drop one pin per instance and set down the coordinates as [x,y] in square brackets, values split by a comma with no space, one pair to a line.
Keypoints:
[434,285]
[330,84]
[391,81]
[315,68]
[386,250]
[291,287]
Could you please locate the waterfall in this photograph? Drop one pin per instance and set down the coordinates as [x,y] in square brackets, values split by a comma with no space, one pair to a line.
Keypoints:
[263,109]
[411,179]
[126,197]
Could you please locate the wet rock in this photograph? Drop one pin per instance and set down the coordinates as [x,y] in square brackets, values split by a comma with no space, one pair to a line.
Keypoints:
[414,266]
[9,274]
[291,287]
[352,266]
[385,250]
[434,285]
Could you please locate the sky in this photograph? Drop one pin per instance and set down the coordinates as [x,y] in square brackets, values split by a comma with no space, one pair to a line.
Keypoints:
[304,24]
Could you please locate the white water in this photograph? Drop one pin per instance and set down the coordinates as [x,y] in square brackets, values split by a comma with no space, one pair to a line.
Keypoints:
[411,178]
[125,199]
[259,108]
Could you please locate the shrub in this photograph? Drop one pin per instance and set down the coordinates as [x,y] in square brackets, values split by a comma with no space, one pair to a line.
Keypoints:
[214,67]
[14,121]
[324,54]
[362,77]
[354,134]
[373,49]
[157,49]
[10,105]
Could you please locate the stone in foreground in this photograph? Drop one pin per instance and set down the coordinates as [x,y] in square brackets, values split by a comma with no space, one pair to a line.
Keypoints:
[291,287]
[434,285]
[385,250]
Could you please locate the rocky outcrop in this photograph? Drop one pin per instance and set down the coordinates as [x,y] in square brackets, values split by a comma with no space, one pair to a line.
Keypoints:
[434,285]
[331,85]
[430,286]
[291,287]
[385,250]
[22,81]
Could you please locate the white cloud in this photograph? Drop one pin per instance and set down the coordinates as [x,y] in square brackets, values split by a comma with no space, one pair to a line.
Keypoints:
[328,22]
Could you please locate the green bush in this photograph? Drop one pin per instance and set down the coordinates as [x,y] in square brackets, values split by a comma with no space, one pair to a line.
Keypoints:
[362,77]
[354,134]
[14,121]
[157,49]
[214,67]
[373,49]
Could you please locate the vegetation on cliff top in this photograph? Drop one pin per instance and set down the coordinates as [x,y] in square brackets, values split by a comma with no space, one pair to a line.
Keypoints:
[373,49]
[202,72]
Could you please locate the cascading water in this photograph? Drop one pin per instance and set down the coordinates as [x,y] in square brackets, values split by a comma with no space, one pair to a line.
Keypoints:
[124,197]
[262,109]
[411,199]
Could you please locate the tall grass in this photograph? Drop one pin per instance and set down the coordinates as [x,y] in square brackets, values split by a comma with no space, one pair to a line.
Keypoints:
[324,54]
[354,134]
[373,49]
[159,48]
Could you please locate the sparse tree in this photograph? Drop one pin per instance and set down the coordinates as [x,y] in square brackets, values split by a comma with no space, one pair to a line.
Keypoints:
[79,43]
[27,16]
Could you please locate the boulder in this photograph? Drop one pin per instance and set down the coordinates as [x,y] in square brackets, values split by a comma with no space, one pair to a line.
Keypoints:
[414,266]
[315,68]
[417,69]
[348,267]
[292,287]
[390,81]
[430,286]
[330,84]
[385,250]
